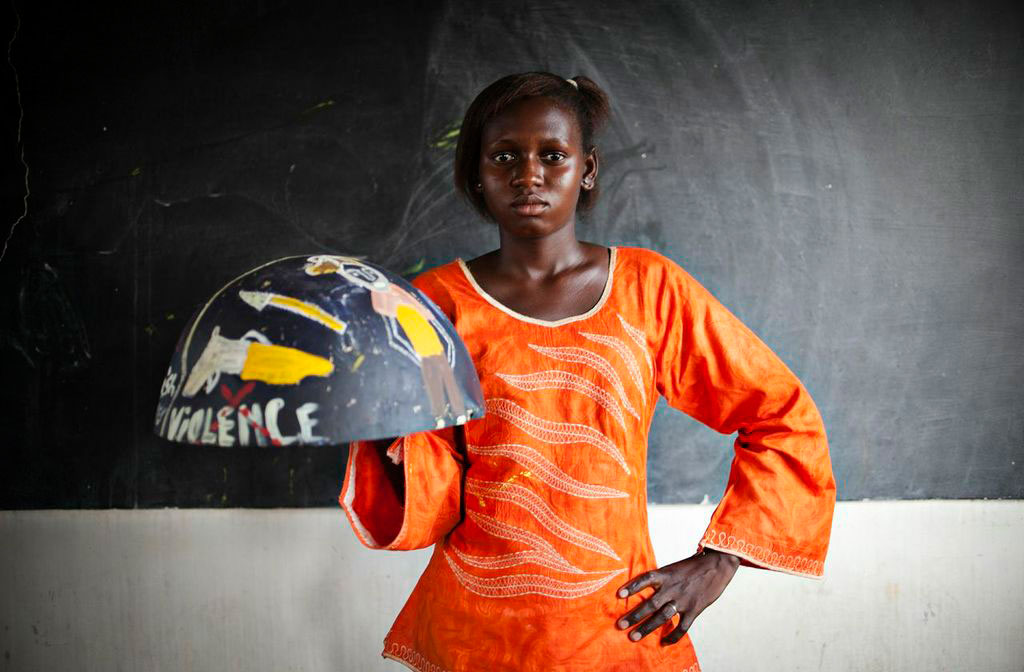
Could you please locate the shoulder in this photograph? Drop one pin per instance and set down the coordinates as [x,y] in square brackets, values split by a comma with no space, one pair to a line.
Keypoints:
[653,269]
[436,283]
[437,276]
[664,291]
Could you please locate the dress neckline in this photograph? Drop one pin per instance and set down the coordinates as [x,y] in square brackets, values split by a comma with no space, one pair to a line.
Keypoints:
[613,253]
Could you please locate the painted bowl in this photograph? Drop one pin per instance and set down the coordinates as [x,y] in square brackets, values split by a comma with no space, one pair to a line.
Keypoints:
[320,349]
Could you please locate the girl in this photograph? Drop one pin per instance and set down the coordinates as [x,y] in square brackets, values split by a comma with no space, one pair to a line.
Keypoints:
[538,511]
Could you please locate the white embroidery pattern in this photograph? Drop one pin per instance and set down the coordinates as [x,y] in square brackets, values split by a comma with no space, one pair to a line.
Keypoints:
[565,380]
[620,347]
[595,361]
[794,564]
[541,552]
[546,470]
[349,495]
[515,559]
[529,500]
[411,658]
[638,338]
[554,432]
[417,661]
[502,530]
[514,585]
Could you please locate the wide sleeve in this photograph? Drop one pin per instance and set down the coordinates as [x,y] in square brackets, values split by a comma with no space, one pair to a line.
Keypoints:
[432,470]
[776,511]
[433,489]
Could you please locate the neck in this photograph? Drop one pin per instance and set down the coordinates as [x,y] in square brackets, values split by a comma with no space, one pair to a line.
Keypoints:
[540,257]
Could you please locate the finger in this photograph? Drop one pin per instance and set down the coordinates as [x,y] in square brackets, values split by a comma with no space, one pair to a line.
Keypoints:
[660,617]
[639,582]
[646,608]
[687,618]
[676,634]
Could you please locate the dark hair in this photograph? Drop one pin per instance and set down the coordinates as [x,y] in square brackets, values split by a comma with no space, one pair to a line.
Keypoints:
[585,100]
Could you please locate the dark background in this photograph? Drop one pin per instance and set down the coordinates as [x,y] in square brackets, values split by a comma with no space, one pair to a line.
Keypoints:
[847,177]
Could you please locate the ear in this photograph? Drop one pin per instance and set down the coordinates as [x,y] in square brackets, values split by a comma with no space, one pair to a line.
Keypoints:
[590,166]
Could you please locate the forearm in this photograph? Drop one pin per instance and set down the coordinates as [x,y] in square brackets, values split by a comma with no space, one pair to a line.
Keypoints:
[722,558]
[389,512]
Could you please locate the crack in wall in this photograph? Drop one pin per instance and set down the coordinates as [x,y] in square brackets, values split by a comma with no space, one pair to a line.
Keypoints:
[21,116]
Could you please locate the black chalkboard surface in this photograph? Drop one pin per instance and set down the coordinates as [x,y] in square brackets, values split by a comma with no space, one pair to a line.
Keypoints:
[845,177]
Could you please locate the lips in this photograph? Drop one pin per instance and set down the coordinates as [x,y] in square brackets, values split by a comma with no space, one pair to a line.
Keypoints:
[528,204]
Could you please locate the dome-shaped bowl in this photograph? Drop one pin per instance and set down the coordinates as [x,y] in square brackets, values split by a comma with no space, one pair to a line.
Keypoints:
[316,350]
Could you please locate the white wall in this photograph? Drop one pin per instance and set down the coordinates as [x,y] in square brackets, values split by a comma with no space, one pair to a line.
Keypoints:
[935,585]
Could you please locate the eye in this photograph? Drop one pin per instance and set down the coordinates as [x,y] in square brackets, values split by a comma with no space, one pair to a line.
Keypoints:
[503,157]
[554,156]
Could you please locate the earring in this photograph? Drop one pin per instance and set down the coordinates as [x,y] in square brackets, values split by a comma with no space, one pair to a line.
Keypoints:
[479,186]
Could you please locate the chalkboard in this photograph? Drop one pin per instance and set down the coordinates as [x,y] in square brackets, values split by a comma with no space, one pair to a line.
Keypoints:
[846,177]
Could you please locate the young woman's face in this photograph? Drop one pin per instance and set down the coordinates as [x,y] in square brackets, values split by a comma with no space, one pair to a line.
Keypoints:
[532,167]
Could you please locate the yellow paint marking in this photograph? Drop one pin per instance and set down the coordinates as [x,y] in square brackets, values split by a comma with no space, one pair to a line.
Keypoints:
[419,331]
[260,300]
[281,365]
[311,311]
[513,477]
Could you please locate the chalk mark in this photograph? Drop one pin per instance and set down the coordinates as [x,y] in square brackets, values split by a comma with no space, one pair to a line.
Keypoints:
[21,145]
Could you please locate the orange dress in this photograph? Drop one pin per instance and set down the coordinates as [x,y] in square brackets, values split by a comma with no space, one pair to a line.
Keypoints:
[549,517]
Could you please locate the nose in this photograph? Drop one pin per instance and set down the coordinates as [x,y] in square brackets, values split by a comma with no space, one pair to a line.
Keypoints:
[529,172]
